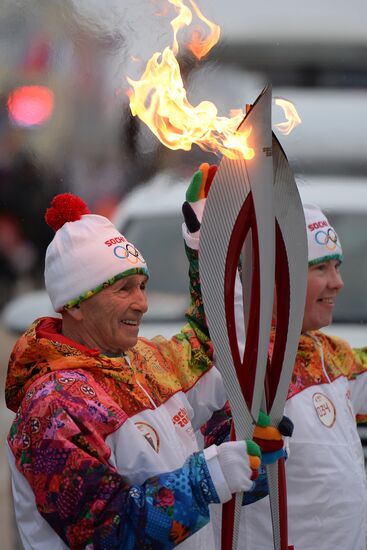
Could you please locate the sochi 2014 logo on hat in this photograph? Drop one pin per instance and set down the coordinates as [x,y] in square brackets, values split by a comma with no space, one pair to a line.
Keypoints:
[327,238]
[125,250]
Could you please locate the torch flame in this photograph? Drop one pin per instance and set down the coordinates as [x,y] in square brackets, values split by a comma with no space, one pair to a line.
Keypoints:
[291,115]
[159,99]
[183,18]
[201,46]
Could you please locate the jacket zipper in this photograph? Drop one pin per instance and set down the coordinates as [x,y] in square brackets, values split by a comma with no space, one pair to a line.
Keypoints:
[321,352]
[140,385]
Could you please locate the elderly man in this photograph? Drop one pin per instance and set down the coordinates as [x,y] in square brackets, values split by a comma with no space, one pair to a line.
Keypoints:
[103,451]
[326,479]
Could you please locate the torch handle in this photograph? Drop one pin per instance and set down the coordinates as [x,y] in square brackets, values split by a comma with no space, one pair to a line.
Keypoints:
[283,515]
[228,524]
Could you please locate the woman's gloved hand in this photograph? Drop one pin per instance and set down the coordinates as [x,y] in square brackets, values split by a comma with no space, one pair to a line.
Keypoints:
[266,447]
[270,439]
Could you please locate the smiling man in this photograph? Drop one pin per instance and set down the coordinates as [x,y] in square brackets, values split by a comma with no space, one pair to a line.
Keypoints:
[121,306]
[102,451]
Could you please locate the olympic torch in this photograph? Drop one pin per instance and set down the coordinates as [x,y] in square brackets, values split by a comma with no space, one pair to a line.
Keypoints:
[261,223]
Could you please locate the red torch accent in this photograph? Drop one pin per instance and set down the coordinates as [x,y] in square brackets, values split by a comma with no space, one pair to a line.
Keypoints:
[246,369]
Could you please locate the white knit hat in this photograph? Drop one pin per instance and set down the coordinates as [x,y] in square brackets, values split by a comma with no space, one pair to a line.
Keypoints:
[323,242]
[86,254]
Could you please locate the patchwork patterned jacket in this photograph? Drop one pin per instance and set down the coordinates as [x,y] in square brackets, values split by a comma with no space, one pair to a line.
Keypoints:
[94,437]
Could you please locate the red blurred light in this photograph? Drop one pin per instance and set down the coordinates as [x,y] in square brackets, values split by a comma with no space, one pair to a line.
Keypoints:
[30,105]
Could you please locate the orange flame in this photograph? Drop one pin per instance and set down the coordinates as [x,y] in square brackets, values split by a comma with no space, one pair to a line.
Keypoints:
[159,99]
[201,46]
[291,115]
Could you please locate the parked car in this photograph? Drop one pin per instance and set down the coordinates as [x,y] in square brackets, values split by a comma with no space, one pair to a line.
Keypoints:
[151,218]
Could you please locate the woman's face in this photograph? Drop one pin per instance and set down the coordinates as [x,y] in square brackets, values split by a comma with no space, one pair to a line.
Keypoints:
[323,286]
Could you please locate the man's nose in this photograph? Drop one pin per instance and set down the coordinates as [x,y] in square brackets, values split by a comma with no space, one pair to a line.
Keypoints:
[140,301]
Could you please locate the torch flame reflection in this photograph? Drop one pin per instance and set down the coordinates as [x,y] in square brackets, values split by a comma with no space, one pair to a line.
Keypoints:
[291,115]
[159,99]
[201,46]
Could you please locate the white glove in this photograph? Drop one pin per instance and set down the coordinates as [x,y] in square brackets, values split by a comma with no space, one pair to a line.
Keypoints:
[234,461]
[229,467]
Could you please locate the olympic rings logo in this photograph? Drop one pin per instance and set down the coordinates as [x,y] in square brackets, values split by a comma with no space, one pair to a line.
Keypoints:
[129,253]
[328,238]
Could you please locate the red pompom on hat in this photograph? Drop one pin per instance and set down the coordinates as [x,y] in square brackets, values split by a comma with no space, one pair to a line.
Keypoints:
[65,208]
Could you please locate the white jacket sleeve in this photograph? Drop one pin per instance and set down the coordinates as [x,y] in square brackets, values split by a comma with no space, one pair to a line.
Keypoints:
[208,395]
[358,387]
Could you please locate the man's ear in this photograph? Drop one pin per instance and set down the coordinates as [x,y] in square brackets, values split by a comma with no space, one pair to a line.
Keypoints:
[74,312]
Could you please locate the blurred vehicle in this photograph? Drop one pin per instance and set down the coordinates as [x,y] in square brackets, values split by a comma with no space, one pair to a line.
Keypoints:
[151,218]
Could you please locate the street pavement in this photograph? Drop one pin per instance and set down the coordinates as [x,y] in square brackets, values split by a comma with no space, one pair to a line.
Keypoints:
[9,539]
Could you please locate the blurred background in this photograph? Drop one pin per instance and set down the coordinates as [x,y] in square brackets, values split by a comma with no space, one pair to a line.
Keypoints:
[65,125]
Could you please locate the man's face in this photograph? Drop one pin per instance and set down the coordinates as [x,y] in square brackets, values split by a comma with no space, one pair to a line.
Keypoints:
[111,318]
[323,286]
